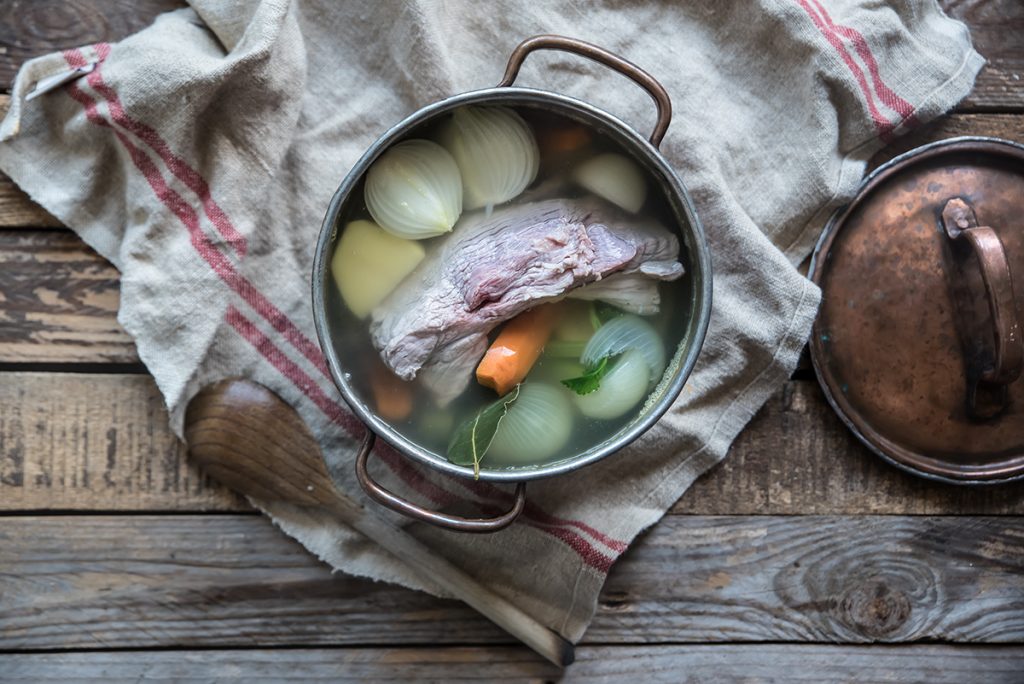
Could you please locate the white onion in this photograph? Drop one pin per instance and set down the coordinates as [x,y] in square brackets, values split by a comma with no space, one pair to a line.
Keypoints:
[414,190]
[624,333]
[621,388]
[614,177]
[535,428]
[496,153]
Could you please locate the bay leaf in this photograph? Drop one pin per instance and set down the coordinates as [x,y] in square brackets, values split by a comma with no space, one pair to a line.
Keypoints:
[472,438]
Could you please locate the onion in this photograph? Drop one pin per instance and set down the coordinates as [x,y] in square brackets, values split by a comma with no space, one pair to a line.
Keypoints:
[536,427]
[614,177]
[414,190]
[624,333]
[495,151]
[621,388]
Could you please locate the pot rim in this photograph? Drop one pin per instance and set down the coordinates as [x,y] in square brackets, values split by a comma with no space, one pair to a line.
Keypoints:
[700,270]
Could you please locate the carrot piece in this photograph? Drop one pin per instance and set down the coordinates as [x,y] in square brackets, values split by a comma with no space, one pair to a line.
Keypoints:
[392,395]
[565,139]
[517,347]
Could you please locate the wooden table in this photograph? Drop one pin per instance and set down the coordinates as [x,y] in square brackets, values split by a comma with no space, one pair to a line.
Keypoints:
[801,557]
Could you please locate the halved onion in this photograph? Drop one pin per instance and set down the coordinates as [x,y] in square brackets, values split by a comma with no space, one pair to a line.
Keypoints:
[535,428]
[414,190]
[614,177]
[496,153]
[622,334]
[621,388]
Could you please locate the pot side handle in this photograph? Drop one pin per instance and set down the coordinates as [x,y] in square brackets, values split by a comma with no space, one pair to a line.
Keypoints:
[602,56]
[447,521]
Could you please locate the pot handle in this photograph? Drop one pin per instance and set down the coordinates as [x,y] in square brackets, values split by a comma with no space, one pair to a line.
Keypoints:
[396,503]
[602,56]
[1007,358]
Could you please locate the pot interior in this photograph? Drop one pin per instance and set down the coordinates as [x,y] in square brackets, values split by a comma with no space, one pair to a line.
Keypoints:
[685,303]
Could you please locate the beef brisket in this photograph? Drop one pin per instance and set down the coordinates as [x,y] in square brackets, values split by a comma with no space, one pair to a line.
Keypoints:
[491,268]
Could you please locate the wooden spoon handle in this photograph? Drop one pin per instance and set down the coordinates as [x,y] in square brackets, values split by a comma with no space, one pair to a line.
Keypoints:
[247,437]
[440,571]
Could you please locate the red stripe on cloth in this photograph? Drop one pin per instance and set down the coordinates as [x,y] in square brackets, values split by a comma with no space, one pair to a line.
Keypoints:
[591,556]
[888,96]
[192,179]
[88,104]
[266,347]
[546,518]
[208,250]
[882,125]
[554,527]
[534,512]
[291,370]
[74,58]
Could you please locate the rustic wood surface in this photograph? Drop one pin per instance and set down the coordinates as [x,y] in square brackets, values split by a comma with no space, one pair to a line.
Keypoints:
[89,441]
[671,664]
[59,301]
[111,540]
[997,31]
[157,581]
[30,28]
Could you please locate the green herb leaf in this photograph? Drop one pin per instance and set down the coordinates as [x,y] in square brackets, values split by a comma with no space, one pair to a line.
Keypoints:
[472,439]
[591,379]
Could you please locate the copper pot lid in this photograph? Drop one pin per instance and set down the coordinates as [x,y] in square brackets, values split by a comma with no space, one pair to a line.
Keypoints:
[918,342]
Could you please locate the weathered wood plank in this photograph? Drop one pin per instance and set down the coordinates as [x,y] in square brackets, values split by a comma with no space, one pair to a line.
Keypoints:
[58,301]
[797,458]
[725,664]
[31,29]
[16,209]
[997,31]
[1010,127]
[228,580]
[101,442]
[811,578]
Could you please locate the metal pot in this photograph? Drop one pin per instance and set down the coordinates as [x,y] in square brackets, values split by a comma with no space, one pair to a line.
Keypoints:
[326,309]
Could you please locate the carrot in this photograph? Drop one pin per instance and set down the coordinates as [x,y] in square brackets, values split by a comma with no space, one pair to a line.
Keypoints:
[562,140]
[517,347]
[392,395]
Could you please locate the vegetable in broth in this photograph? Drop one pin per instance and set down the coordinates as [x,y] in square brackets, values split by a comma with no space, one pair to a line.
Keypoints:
[568,372]
[414,190]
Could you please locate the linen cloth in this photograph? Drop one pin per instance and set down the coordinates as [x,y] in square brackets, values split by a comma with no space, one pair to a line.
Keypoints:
[200,154]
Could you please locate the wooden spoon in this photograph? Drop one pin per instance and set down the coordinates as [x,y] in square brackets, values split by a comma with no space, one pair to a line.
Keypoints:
[247,437]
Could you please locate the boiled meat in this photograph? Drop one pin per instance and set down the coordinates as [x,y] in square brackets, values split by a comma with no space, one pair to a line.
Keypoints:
[491,268]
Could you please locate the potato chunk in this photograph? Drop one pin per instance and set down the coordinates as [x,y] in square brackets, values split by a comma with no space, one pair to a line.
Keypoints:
[369,263]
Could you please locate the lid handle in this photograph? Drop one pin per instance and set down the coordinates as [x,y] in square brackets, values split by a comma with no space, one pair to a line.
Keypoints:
[1004,362]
